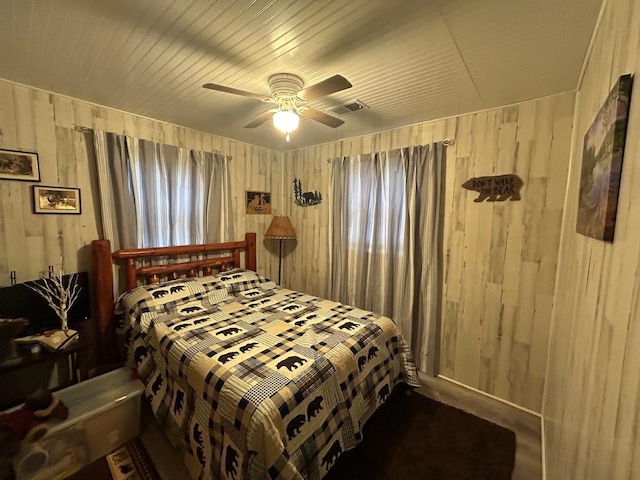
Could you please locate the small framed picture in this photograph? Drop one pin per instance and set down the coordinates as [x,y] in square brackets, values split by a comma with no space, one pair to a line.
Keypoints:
[258,203]
[16,165]
[56,200]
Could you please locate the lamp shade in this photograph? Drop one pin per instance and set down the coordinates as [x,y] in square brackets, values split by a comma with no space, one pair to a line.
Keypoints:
[280,228]
[286,121]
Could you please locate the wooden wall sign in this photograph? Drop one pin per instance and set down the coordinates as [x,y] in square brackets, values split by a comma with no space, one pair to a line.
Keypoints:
[497,188]
[305,199]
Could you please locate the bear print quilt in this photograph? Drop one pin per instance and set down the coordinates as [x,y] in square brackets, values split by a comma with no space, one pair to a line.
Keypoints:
[259,381]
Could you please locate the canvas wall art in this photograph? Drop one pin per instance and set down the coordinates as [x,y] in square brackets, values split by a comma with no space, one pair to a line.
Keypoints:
[602,164]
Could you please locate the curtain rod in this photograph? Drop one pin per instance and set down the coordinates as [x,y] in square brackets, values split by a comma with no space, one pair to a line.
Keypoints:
[446,142]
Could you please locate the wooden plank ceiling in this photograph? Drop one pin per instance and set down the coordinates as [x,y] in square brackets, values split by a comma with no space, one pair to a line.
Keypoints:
[409,61]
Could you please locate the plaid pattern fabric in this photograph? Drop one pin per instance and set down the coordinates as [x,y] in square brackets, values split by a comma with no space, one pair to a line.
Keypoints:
[261,381]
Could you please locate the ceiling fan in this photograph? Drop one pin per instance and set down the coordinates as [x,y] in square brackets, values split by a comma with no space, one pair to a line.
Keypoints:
[290,98]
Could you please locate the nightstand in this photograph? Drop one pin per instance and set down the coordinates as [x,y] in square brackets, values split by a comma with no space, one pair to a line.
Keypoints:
[77,352]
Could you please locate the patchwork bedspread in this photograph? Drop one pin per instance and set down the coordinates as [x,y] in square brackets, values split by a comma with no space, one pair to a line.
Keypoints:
[259,381]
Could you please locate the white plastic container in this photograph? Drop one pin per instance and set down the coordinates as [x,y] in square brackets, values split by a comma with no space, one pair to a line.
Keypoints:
[104,413]
[107,406]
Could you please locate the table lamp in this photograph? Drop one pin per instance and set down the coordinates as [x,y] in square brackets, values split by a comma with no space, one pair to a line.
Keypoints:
[280,229]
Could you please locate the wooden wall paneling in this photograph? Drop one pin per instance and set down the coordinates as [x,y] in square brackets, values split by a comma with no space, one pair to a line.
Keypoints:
[69,225]
[25,118]
[490,336]
[8,139]
[38,121]
[82,114]
[64,111]
[8,124]
[471,230]
[453,236]
[496,302]
[591,405]
[470,313]
[627,55]
[47,153]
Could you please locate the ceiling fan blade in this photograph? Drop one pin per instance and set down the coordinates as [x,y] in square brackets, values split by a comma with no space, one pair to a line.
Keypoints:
[325,87]
[235,91]
[260,119]
[322,117]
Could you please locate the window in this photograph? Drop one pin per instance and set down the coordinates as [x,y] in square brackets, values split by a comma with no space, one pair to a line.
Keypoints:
[376,199]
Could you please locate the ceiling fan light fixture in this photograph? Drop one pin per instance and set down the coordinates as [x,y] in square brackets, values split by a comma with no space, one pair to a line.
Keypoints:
[286,121]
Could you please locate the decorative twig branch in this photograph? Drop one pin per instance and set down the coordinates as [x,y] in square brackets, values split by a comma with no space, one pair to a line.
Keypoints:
[58,296]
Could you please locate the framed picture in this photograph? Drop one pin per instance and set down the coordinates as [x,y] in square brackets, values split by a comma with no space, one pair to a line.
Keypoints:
[602,164]
[56,200]
[258,203]
[16,165]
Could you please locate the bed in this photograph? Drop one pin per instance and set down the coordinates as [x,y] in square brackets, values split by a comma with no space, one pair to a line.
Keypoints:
[250,380]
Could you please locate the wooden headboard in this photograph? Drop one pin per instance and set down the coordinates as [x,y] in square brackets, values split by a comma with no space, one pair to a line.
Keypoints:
[138,265]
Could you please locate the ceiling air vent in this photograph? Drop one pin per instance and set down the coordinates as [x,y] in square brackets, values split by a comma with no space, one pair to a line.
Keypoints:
[349,107]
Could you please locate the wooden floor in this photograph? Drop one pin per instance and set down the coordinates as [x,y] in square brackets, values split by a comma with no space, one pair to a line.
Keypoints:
[525,425]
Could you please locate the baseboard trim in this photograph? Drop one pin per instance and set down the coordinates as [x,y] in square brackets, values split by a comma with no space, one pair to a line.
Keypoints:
[543,449]
[502,400]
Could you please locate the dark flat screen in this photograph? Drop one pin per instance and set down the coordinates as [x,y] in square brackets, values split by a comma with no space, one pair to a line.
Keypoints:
[20,301]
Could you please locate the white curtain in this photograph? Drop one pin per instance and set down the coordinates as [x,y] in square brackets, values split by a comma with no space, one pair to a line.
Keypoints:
[117,206]
[155,195]
[385,248]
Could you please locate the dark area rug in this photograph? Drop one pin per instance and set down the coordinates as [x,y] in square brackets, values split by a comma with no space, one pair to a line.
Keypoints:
[130,462]
[411,437]
[414,437]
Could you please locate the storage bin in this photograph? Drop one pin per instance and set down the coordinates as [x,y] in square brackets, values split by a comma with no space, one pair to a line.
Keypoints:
[104,413]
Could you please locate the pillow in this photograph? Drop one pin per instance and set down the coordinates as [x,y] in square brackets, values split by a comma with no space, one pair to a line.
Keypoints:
[152,298]
[239,279]
[198,302]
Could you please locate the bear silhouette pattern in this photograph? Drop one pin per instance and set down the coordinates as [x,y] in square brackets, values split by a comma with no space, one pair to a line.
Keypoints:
[294,426]
[228,331]
[231,463]
[248,347]
[383,393]
[291,363]
[314,407]
[197,434]
[362,361]
[192,309]
[140,354]
[226,278]
[226,357]
[157,383]
[497,188]
[160,293]
[292,307]
[177,288]
[200,454]
[373,352]
[179,402]
[348,326]
[332,455]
